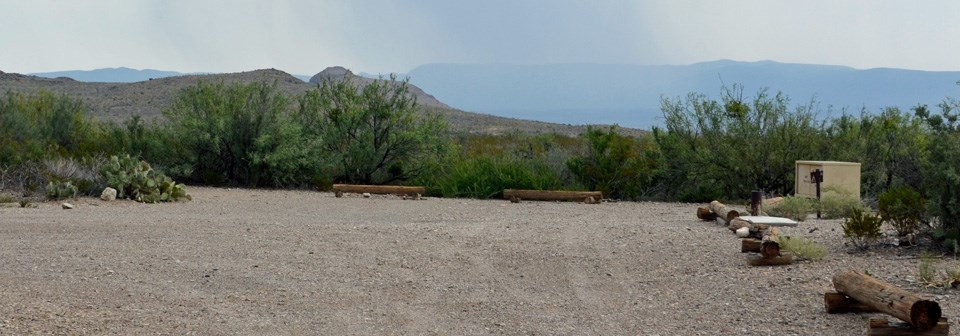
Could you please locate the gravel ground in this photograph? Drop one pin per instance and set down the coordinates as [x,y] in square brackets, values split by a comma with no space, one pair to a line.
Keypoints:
[262,262]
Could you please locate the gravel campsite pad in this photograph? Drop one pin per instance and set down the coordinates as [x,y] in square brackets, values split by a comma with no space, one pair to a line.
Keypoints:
[262,262]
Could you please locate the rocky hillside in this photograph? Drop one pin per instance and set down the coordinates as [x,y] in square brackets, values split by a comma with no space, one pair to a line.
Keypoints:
[119,101]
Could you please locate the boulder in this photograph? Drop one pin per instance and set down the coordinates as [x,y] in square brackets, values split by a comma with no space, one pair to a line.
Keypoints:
[108,194]
[743,232]
[67,206]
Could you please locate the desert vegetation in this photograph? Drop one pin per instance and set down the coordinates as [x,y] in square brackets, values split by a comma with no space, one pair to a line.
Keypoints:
[256,135]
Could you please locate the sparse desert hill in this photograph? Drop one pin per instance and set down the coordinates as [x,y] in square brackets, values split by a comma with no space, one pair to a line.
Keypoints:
[120,101]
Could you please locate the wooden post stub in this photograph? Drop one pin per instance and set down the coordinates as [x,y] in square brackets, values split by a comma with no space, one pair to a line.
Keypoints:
[884,297]
[837,303]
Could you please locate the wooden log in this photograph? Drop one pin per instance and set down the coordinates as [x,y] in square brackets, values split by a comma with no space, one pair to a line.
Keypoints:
[737,223]
[785,259]
[724,211]
[706,214]
[884,327]
[908,306]
[378,189]
[552,195]
[769,249]
[837,303]
[750,245]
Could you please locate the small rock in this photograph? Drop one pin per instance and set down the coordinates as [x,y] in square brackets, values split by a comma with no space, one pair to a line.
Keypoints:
[743,232]
[416,197]
[67,206]
[108,194]
[366,195]
[338,194]
[514,199]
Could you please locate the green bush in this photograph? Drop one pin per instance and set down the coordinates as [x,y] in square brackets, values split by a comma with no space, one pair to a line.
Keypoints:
[238,134]
[620,167]
[802,247]
[735,145]
[942,172]
[487,176]
[136,180]
[793,207]
[838,204]
[903,208]
[862,228]
[372,133]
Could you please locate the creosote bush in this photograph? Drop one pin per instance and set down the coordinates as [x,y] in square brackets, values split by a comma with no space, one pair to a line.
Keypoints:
[836,204]
[793,207]
[862,228]
[903,209]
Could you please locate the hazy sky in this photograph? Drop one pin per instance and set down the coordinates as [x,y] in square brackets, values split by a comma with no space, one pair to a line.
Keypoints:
[381,36]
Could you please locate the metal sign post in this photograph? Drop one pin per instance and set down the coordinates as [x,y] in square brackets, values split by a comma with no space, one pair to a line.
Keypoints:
[816,177]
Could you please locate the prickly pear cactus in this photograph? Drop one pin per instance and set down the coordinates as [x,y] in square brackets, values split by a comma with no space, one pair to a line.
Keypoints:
[136,180]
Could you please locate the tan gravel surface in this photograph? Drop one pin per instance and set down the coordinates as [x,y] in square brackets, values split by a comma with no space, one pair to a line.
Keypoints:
[256,262]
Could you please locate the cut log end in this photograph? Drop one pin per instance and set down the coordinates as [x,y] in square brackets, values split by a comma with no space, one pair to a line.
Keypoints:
[925,314]
[770,249]
[706,214]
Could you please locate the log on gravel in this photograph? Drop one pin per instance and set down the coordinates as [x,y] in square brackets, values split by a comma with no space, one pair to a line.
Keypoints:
[750,245]
[785,259]
[837,303]
[737,223]
[724,211]
[706,214]
[769,249]
[552,195]
[922,314]
[378,189]
[884,327]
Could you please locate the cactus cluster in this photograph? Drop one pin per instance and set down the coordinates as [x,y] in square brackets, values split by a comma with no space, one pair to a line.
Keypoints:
[136,180]
[61,190]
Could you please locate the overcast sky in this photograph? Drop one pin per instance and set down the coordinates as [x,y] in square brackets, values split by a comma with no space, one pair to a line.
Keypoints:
[381,36]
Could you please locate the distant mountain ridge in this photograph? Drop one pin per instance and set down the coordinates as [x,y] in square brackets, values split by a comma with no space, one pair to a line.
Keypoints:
[121,75]
[630,94]
[119,101]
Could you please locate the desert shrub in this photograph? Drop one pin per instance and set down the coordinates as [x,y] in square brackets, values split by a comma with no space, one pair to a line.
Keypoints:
[838,204]
[4,198]
[616,165]
[903,208]
[802,247]
[733,146]
[39,126]
[373,133]
[862,228]
[83,173]
[237,134]
[793,207]
[953,277]
[61,190]
[927,270]
[942,172]
[136,180]
[487,176]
